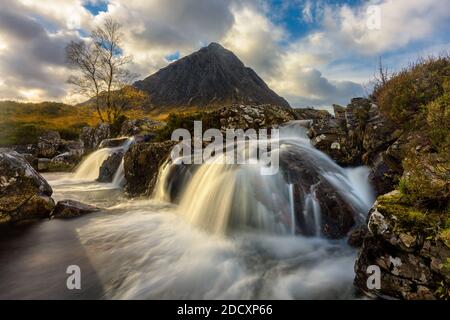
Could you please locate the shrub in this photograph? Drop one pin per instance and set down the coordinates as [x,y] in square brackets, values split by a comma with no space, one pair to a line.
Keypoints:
[426,180]
[404,95]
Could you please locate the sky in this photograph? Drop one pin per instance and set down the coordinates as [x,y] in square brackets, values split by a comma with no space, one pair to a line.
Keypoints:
[313,53]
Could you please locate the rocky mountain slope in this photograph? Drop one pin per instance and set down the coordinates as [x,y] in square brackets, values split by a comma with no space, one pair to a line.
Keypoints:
[212,76]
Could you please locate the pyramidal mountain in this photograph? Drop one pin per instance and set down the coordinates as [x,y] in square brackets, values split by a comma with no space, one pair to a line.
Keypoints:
[212,76]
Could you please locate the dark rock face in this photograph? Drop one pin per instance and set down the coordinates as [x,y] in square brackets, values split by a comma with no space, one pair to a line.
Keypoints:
[70,209]
[357,236]
[93,136]
[384,176]
[304,172]
[359,134]
[24,194]
[412,265]
[48,144]
[141,165]
[109,167]
[208,77]
[341,136]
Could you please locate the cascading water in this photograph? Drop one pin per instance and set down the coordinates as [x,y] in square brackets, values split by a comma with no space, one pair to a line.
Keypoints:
[89,169]
[220,197]
[144,249]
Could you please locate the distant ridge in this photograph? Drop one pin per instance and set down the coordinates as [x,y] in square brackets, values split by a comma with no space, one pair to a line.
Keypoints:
[211,76]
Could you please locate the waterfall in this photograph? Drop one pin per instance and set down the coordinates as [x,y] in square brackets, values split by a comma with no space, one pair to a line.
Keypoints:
[291,207]
[89,169]
[221,197]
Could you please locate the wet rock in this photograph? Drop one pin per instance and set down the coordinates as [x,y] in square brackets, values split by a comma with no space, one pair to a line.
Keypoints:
[141,165]
[93,136]
[112,143]
[48,144]
[110,166]
[305,173]
[70,209]
[24,194]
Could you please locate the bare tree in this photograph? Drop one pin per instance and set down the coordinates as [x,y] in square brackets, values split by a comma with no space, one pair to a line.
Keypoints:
[383,74]
[102,76]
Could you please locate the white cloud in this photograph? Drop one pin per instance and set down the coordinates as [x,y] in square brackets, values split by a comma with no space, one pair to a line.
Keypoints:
[317,69]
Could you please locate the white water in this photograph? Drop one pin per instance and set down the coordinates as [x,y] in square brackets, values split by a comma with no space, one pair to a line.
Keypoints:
[151,249]
[219,198]
[88,170]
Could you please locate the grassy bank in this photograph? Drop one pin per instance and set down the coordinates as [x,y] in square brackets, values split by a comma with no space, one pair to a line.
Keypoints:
[23,123]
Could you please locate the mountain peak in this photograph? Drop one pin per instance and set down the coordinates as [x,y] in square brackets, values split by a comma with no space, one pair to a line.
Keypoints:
[215,45]
[211,76]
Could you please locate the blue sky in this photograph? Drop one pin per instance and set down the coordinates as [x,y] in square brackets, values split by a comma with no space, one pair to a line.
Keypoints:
[313,53]
[96,6]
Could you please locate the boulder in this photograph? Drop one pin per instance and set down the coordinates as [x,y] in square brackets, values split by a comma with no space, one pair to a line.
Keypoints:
[409,250]
[339,114]
[93,136]
[48,144]
[310,114]
[247,116]
[141,165]
[25,149]
[32,159]
[112,143]
[70,209]
[24,194]
[110,166]
[140,127]
[63,162]
[329,136]
[43,164]
[75,148]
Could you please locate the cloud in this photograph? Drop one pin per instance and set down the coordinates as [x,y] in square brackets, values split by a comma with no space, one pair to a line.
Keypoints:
[255,40]
[32,64]
[402,22]
[326,64]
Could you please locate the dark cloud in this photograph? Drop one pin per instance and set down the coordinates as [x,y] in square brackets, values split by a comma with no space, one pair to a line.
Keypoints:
[33,59]
[307,87]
